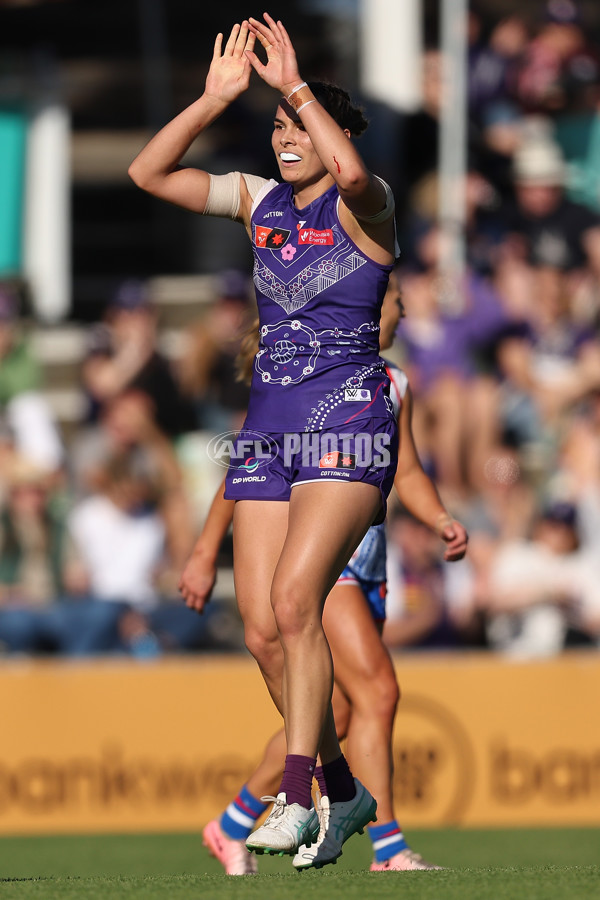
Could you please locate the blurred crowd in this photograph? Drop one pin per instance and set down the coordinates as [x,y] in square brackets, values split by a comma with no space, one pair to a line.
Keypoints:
[94,531]
[507,380]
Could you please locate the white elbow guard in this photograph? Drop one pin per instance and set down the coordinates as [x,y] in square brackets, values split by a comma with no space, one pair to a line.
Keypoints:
[388,209]
[224,193]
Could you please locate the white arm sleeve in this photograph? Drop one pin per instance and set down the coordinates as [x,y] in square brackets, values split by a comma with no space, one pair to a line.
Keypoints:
[224,193]
[388,209]
[386,213]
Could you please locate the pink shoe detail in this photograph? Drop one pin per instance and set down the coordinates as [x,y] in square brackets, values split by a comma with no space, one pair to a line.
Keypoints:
[404,861]
[232,855]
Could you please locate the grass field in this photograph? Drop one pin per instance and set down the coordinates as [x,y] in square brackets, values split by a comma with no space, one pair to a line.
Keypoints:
[524,864]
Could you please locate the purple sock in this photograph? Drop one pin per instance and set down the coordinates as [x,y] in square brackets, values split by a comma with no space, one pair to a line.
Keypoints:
[321,781]
[339,783]
[296,783]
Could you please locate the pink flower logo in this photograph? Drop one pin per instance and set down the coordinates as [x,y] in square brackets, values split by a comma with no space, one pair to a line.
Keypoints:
[288,252]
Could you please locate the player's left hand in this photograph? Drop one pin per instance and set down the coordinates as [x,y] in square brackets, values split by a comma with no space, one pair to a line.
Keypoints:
[197,581]
[456,539]
[281,69]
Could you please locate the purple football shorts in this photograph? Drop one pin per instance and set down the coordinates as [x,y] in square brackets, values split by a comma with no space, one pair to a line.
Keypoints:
[266,466]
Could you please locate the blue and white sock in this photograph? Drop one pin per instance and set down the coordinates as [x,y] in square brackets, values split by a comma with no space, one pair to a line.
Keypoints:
[241,815]
[387,840]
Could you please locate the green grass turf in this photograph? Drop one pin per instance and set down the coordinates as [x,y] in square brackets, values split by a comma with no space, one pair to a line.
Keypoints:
[524,864]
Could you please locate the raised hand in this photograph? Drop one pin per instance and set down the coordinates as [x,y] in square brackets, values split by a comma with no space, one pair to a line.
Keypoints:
[281,69]
[230,69]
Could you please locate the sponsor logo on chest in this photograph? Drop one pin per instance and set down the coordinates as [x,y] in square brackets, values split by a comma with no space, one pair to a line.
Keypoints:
[314,236]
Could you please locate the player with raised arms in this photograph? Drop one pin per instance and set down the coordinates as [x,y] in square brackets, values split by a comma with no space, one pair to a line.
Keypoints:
[366,690]
[320,275]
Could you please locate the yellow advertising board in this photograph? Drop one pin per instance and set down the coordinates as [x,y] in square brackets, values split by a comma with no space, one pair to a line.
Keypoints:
[120,745]
[480,741]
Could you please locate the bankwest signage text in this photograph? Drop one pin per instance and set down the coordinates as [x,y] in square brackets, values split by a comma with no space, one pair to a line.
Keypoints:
[123,746]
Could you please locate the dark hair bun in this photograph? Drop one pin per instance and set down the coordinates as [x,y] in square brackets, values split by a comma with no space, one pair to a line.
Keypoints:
[338,104]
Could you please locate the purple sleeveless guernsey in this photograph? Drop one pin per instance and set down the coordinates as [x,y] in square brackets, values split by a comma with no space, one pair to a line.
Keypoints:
[319,301]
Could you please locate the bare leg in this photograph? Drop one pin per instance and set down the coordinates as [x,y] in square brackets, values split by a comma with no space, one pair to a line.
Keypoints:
[365,673]
[259,529]
[364,701]
[254,564]
[267,775]
[326,524]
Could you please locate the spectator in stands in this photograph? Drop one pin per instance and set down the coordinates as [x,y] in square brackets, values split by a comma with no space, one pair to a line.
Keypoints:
[447,356]
[60,568]
[577,132]
[121,558]
[31,554]
[505,503]
[127,429]
[25,413]
[537,586]
[119,536]
[545,227]
[547,361]
[577,473]
[40,607]
[132,493]
[553,59]
[123,354]
[493,63]
[207,367]
[420,130]
[418,613]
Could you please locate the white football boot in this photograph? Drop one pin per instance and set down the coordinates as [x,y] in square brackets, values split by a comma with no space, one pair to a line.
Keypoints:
[286,828]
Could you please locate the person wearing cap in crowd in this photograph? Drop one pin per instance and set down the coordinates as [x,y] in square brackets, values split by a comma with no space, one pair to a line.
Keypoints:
[123,354]
[546,228]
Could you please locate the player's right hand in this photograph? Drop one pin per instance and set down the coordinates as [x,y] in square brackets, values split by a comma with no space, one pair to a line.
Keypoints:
[230,69]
